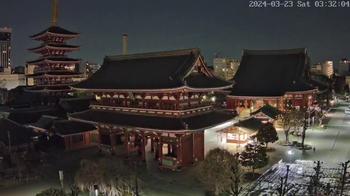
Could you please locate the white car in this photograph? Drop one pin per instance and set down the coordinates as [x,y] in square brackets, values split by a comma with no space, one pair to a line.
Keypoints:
[347,111]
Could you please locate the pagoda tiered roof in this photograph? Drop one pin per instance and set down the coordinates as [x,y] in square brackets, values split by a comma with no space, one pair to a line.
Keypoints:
[58,59]
[54,47]
[272,73]
[169,70]
[154,123]
[57,73]
[49,88]
[56,31]
[53,61]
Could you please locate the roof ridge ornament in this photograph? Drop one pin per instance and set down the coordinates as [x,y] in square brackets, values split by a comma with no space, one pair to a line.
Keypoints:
[54,12]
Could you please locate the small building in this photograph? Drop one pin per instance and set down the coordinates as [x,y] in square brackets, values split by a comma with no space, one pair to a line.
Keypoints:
[14,137]
[44,124]
[267,113]
[275,77]
[72,135]
[242,131]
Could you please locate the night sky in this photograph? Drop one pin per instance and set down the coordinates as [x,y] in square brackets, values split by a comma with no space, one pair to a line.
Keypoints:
[215,26]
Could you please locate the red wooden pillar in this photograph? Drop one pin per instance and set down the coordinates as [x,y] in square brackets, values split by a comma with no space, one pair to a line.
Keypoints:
[177,99]
[113,142]
[160,149]
[152,144]
[143,100]
[178,150]
[126,142]
[143,146]
[160,100]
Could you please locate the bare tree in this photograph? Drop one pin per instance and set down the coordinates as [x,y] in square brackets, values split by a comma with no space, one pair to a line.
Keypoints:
[112,178]
[285,118]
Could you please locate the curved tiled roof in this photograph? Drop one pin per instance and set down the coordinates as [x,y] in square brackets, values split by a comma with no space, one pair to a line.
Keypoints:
[271,73]
[55,30]
[17,133]
[198,122]
[53,58]
[158,70]
[68,127]
[60,46]
[268,110]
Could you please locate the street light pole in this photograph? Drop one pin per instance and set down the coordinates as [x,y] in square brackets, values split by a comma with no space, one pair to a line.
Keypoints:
[304,133]
[345,168]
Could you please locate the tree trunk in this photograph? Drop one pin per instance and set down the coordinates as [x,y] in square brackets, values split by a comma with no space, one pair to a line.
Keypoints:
[303,137]
[216,192]
[286,133]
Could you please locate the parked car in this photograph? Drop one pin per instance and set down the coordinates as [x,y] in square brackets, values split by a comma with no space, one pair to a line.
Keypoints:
[347,111]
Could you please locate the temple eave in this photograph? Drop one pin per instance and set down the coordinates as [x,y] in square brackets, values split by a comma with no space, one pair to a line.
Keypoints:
[198,122]
[176,89]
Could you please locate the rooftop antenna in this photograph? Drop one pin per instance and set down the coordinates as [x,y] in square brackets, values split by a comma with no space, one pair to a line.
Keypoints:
[54,12]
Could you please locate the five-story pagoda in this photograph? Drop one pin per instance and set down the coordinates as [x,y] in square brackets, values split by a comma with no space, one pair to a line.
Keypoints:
[53,72]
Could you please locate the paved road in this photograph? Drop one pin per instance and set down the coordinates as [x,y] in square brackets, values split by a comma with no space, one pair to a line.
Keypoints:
[332,143]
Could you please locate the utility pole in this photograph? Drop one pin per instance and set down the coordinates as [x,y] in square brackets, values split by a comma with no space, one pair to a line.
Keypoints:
[304,132]
[9,143]
[286,180]
[345,168]
[284,183]
[316,178]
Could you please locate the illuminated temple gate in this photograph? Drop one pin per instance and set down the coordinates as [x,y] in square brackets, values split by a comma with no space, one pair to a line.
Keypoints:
[157,99]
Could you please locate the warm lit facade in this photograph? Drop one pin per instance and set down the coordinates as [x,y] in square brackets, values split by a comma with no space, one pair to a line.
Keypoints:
[53,72]
[278,78]
[154,101]
[225,68]
[327,68]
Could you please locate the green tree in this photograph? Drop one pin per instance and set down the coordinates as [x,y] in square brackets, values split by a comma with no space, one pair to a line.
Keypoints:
[52,192]
[254,156]
[220,172]
[267,134]
[236,174]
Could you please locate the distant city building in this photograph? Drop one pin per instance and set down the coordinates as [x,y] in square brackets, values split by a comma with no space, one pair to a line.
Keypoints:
[344,67]
[316,68]
[327,68]
[5,49]
[10,81]
[8,78]
[225,68]
[89,68]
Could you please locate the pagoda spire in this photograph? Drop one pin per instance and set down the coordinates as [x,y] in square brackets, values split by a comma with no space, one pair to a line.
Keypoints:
[54,12]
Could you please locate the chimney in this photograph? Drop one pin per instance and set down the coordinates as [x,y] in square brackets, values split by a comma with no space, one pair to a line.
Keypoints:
[125,44]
